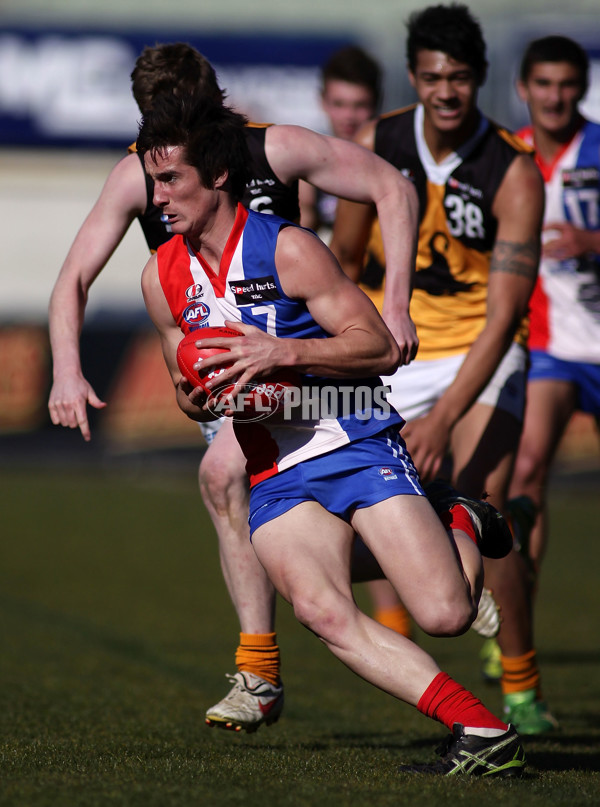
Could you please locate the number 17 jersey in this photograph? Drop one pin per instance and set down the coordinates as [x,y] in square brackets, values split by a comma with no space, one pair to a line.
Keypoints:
[565,305]
[246,288]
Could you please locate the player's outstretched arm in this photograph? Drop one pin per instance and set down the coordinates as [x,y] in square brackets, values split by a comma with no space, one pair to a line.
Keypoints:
[123,197]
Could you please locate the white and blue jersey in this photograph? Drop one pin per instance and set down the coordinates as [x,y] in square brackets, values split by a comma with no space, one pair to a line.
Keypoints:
[247,289]
[565,305]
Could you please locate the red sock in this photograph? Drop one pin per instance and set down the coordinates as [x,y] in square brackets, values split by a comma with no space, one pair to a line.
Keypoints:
[451,703]
[459,519]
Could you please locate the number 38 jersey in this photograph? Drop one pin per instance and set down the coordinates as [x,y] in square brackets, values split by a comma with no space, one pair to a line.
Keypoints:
[247,289]
[565,305]
[457,228]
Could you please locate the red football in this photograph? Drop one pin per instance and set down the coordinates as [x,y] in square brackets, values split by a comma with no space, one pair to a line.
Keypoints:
[254,401]
[188,354]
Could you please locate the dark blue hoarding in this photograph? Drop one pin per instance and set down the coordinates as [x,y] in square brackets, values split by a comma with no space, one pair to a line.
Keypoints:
[65,87]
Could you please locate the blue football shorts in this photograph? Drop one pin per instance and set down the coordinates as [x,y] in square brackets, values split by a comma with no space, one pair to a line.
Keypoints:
[354,476]
[583,375]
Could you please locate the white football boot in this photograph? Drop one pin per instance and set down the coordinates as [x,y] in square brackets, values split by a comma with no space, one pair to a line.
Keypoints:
[251,702]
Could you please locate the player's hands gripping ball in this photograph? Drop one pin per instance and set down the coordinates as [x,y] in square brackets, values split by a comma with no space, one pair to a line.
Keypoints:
[254,401]
[188,354]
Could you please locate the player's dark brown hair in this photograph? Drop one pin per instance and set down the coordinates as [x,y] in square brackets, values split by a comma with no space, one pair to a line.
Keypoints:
[354,65]
[556,49]
[172,67]
[211,135]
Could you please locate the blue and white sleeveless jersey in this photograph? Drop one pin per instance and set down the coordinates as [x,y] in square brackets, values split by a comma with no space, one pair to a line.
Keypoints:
[247,289]
[565,305]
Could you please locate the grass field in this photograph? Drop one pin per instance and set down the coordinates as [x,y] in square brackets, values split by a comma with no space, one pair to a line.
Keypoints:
[116,632]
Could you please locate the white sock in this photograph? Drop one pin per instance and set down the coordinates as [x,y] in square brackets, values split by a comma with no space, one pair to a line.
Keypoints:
[483,732]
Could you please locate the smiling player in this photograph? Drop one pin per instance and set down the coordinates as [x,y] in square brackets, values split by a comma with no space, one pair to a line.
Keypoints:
[565,306]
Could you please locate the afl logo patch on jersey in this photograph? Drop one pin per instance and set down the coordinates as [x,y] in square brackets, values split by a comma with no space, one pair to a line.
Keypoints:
[196,314]
[194,291]
[388,474]
[258,290]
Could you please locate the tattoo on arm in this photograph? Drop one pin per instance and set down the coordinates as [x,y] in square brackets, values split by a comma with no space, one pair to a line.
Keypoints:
[516,259]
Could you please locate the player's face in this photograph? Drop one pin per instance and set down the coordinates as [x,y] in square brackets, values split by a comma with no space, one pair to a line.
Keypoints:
[552,92]
[184,201]
[447,89]
[347,106]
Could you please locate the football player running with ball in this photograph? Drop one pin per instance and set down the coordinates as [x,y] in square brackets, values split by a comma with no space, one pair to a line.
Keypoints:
[315,481]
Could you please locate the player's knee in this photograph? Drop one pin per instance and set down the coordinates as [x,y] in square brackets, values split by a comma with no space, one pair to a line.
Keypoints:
[221,483]
[531,468]
[211,479]
[321,616]
[449,617]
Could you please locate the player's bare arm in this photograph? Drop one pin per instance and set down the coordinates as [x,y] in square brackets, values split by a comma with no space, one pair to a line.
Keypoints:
[353,221]
[349,241]
[519,207]
[361,343]
[192,404]
[122,198]
[351,232]
[351,171]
